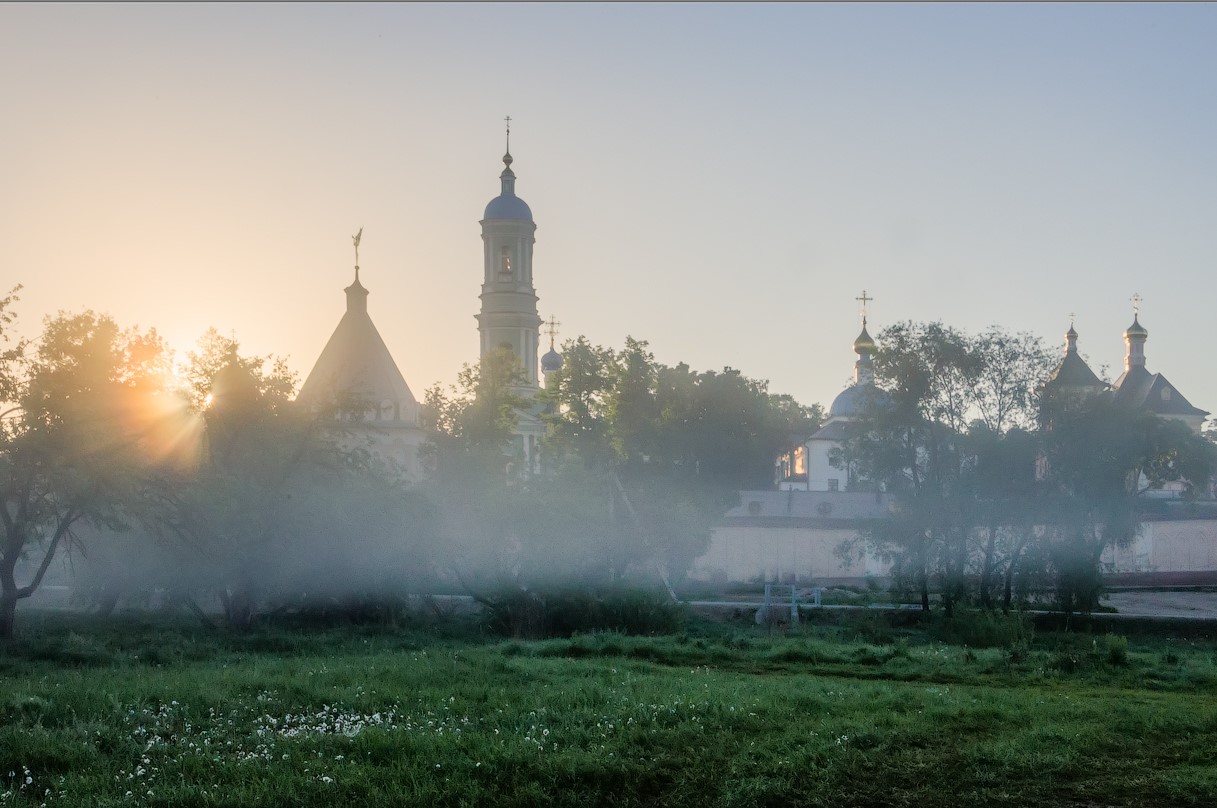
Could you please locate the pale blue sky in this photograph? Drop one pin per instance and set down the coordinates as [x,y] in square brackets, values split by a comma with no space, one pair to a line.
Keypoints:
[722,180]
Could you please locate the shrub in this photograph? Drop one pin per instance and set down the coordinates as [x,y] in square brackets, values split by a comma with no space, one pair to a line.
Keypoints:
[74,649]
[1117,649]
[1066,660]
[982,629]
[564,612]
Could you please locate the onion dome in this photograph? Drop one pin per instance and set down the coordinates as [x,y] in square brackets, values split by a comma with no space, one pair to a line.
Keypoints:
[848,402]
[1136,330]
[551,361]
[507,205]
[864,344]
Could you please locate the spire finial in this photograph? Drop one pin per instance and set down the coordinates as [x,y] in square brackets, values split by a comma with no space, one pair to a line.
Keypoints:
[864,300]
[1136,304]
[507,154]
[355,238]
[1072,317]
[552,329]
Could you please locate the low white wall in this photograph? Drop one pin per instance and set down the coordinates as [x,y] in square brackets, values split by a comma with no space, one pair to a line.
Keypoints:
[779,554]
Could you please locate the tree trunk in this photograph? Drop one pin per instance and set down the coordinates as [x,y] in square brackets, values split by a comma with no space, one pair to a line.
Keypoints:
[1008,589]
[107,603]
[986,574]
[8,592]
[8,615]
[924,581]
[239,609]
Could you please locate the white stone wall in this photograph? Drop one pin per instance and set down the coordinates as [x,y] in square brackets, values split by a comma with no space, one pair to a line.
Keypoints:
[1183,546]
[778,554]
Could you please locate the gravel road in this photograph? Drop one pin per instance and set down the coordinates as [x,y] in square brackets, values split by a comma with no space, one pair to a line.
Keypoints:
[1164,604]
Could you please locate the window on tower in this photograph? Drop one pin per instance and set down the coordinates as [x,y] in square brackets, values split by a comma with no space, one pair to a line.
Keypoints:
[505,261]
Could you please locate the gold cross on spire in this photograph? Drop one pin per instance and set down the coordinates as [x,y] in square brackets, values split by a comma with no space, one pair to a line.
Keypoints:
[355,238]
[1072,317]
[864,300]
[552,329]
[1136,304]
[508,121]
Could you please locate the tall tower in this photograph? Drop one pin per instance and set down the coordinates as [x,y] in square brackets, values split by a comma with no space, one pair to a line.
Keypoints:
[509,300]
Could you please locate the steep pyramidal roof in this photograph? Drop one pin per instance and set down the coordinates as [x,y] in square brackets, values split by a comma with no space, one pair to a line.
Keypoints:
[1151,391]
[356,367]
[1073,371]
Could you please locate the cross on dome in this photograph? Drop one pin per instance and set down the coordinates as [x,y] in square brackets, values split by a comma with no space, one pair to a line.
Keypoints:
[864,300]
[551,328]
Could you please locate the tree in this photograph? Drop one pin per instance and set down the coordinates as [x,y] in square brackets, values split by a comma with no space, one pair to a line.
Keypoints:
[946,438]
[909,441]
[580,396]
[1101,457]
[279,510]
[472,423]
[640,461]
[89,417]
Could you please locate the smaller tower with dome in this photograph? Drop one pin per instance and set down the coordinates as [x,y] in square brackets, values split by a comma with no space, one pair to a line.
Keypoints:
[1150,391]
[822,474]
[1073,379]
[552,360]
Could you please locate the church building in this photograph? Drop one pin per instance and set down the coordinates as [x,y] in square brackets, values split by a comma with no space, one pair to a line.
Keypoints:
[818,464]
[1151,391]
[356,382]
[1136,386]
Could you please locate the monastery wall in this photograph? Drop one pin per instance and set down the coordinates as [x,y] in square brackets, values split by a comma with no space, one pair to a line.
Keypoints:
[780,554]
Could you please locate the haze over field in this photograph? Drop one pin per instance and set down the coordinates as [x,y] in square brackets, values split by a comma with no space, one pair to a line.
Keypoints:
[721,180]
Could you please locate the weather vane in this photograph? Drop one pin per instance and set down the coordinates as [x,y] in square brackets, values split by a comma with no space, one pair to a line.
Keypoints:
[552,329]
[864,299]
[1136,304]
[355,238]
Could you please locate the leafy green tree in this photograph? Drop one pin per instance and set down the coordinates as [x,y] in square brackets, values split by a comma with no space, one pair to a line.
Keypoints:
[640,461]
[228,512]
[1101,457]
[633,409]
[277,510]
[88,417]
[909,442]
[579,394]
[948,438]
[471,424]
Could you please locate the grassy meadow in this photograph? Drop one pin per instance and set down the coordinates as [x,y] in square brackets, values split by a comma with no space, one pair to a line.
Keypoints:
[158,711]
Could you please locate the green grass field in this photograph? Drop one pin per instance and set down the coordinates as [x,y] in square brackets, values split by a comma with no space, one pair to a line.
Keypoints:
[136,711]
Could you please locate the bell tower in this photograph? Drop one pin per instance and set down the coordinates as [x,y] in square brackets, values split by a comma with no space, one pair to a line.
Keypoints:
[509,300]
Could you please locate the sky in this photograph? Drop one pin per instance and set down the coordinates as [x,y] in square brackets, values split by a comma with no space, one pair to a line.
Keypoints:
[721,180]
